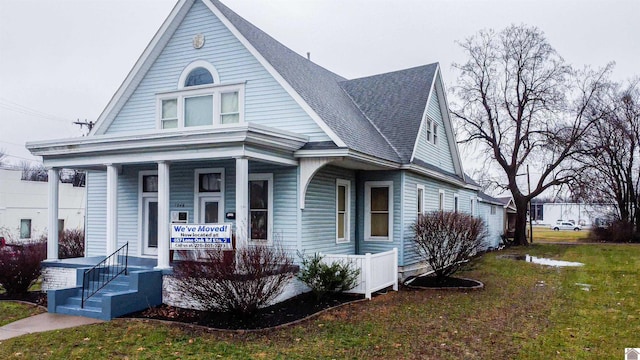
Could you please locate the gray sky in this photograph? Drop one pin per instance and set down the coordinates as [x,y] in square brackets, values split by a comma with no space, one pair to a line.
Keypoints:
[62,60]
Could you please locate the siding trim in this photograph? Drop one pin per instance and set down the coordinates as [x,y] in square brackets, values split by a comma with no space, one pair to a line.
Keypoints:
[424,115]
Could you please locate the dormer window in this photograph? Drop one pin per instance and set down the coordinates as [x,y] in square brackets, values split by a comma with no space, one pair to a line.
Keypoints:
[201,100]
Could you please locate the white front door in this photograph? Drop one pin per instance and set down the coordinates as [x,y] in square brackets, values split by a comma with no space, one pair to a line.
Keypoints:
[210,210]
[150,226]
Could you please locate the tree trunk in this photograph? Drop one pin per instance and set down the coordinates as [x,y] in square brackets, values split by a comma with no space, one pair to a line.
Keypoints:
[520,236]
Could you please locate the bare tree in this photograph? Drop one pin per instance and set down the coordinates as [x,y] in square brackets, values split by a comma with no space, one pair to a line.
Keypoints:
[612,151]
[3,155]
[525,106]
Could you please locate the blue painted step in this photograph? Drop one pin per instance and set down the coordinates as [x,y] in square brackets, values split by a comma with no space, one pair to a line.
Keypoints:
[126,294]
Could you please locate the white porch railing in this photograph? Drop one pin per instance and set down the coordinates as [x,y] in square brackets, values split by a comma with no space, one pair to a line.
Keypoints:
[377,271]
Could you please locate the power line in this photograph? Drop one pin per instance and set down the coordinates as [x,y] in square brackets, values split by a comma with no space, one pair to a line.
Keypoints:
[21,109]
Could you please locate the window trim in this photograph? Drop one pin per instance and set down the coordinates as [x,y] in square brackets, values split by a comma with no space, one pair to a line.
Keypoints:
[474,204]
[269,178]
[141,198]
[420,187]
[347,212]
[441,200]
[435,133]
[215,91]
[429,127]
[197,195]
[367,210]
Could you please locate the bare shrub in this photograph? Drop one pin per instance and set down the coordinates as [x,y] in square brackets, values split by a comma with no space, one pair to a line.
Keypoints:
[240,281]
[445,240]
[20,266]
[70,243]
[618,232]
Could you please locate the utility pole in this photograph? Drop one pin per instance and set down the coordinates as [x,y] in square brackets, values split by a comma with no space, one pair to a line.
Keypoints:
[88,124]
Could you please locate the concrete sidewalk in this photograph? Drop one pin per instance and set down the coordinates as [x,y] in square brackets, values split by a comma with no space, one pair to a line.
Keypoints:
[43,322]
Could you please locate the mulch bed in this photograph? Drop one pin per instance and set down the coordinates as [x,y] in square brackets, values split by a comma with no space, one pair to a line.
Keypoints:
[446,283]
[289,311]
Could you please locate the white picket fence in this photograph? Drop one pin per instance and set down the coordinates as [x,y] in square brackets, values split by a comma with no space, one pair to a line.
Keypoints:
[377,271]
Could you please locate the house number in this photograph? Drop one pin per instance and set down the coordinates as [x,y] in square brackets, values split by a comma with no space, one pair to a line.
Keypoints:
[179,205]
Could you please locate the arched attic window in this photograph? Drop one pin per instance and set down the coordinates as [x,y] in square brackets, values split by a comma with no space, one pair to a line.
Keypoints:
[198,76]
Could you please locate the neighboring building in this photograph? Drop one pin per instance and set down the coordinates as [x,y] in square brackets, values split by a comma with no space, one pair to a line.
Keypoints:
[218,122]
[577,213]
[24,210]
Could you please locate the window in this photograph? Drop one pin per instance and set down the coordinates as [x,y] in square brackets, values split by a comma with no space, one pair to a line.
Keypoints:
[209,182]
[379,210]
[472,206]
[435,133]
[198,76]
[60,228]
[343,206]
[455,203]
[229,111]
[201,106]
[149,183]
[198,111]
[441,200]
[25,228]
[429,129]
[209,196]
[420,200]
[260,207]
[169,116]
[493,209]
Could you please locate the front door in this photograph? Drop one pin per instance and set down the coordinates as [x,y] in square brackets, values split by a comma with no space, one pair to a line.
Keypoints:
[210,210]
[150,226]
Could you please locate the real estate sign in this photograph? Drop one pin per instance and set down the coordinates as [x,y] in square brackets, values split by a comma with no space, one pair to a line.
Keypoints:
[200,236]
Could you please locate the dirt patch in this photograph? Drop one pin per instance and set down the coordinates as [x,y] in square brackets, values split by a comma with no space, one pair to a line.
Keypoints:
[286,312]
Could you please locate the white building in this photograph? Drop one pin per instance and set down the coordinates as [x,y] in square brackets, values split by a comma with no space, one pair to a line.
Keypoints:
[580,214]
[23,206]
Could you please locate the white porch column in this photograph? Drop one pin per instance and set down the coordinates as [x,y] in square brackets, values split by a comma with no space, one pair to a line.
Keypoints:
[242,201]
[52,225]
[163,215]
[112,209]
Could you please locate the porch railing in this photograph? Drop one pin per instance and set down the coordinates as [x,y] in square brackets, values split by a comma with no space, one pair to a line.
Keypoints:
[377,271]
[104,272]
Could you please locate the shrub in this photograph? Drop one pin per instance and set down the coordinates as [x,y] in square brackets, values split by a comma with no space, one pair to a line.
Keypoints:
[240,281]
[445,240]
[617,231]
[20,266]
[70,243]
[321,277]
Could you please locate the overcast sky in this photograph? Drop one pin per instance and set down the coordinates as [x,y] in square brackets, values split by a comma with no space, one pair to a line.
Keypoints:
[62,60]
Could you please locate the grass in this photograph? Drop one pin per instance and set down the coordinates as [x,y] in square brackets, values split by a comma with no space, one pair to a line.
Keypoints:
[545,235]
[526,311]
[11,311]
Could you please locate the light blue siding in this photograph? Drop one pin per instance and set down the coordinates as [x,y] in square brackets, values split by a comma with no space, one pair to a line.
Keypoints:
[266,102]
[435,154]
[96,230]
[319,214]
[381,246]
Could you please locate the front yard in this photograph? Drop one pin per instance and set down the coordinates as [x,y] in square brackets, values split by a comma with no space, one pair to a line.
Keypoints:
[526,311]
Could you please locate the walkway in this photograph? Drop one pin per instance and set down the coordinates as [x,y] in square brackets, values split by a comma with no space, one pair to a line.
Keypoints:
[43,322]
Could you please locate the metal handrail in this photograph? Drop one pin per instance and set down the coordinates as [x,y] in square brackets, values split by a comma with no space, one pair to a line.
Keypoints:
[93,279]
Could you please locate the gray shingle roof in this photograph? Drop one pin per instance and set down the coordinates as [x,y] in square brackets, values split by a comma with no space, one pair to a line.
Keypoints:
[319,88]
[395,103]
[490,199]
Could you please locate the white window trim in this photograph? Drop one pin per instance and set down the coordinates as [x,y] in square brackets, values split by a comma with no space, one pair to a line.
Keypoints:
[418,188]
[456,203]
[441,200]
[347,213]
[269,178]
[202,90]
[197,194]
[474,205]
[30,229]
[141,196]
[435,133]
[429,128]
[367,210]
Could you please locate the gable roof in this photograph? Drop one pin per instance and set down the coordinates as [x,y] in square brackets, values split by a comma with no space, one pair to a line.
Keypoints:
[395,103]
[377,115]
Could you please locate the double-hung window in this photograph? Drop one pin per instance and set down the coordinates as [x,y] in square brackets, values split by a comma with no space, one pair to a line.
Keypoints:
[441,200]
[456,203]
[429,129]
[260,207]
[420,200]
[432,131]
[25,228]
[343,207]
[379,210]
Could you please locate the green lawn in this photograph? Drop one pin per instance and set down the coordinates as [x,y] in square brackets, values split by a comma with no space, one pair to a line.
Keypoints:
[11,311]
[527,311]
[545,235]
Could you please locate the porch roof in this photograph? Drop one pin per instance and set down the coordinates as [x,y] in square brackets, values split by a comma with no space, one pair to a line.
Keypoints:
[249,140]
